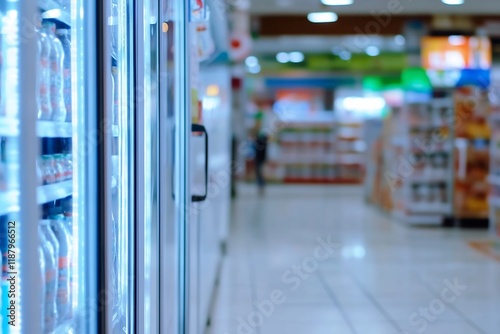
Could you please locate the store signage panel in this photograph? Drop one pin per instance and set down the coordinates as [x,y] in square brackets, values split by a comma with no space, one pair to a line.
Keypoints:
[456,52]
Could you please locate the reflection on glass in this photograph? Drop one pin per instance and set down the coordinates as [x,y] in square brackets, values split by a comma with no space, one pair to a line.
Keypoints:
[120,159]
[9,162]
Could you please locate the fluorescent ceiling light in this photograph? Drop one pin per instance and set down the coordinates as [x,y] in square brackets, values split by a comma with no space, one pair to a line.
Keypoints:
[296,57]
[337,2]
[453,2]
[251,61]
[283,57]
[372,51]
[322,17]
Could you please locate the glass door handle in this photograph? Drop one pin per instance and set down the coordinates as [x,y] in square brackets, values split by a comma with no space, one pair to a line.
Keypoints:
[200,130]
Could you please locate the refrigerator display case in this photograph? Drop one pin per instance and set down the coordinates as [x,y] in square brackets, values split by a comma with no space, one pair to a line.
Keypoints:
[93,101]
[48,220]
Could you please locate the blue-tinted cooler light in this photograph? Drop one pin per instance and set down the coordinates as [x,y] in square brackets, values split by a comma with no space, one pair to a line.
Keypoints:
[337,2]
[453,2]
[322,17]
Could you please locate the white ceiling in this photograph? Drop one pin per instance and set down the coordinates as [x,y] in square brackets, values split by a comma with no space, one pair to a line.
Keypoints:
[471,7]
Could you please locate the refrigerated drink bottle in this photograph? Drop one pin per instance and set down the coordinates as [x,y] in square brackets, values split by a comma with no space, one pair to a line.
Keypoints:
[115,92]
[43,76]
[51,249]
[42,280]
[67,209]
[64,37]
[56,61]
[57,223]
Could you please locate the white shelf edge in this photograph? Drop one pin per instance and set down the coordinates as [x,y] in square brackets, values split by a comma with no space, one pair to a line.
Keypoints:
[55,191]
[9,202]
[49,129]
[9,127]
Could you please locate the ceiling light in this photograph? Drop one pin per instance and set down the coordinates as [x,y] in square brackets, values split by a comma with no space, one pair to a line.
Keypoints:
[251,61]
[283,57]
[337,2]
[453,2]
[372,51]
[322,17]
[400,40]
[296,57]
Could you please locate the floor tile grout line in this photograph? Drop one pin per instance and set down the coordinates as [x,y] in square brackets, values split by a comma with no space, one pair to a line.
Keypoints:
[375,302]
[435,294]
[336,301]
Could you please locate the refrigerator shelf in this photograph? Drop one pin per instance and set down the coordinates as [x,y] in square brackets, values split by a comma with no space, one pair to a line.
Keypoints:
[9,127]
[53,11]
[48,129]
[53,192]
[9,202]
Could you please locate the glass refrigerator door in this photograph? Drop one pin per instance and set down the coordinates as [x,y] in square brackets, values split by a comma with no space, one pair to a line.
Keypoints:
[118,166]
[66,165]
[48,226]
[10,237]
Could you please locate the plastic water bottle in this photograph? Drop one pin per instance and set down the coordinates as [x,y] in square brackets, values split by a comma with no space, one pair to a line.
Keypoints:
[43,290]
[56,73]
[57,223]
[51,249]
[43,76]
[64,37]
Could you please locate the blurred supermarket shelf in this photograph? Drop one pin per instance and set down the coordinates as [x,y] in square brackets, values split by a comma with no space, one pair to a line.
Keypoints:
[9,202]
[48,129]
[53,192]
[9,127]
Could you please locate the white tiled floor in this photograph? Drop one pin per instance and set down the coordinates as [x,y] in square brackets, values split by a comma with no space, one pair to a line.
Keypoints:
[381,277]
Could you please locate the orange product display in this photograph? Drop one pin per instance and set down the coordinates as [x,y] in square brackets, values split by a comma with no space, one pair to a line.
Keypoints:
[472,153]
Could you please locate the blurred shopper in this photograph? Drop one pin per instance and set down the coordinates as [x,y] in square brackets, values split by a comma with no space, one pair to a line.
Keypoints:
[260,137]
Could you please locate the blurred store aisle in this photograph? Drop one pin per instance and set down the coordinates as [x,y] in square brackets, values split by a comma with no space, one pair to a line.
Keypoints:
[308,259]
